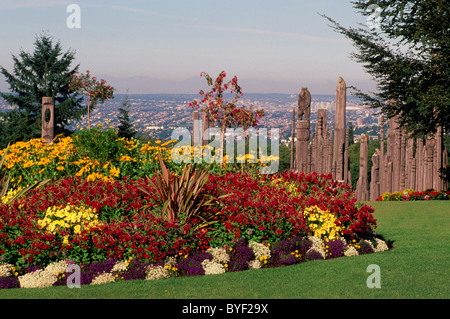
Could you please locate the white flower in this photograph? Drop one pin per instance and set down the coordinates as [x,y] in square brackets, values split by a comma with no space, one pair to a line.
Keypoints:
[351,251]
[317,249]
[120,266]
[5,270]
[254,264]
[43,277]
[317,243]
[170,261]
[57,267]
[212,267]
[37,279]
[259,250]
[156,272]
[381,245]
[220,255]
[103,278]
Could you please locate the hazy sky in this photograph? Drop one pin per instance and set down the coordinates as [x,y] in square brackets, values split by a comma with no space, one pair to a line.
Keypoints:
[173,40]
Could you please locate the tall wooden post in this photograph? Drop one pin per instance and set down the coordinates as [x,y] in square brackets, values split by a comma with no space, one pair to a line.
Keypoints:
[339,132]
[48,127]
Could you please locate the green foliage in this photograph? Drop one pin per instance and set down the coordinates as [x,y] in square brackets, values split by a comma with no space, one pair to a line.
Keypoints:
[43,73]
[285,158]
[351,134]
[409,57]
[126,128]
[98,144]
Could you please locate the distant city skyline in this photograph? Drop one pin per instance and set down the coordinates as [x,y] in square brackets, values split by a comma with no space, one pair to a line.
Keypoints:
[163,46]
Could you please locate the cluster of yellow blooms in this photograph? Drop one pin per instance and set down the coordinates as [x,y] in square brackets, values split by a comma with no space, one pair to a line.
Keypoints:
[397,195]
[322,223]
[36,159]
[290,186]
[37,153]
[71,218]
[10,194]
[296,254]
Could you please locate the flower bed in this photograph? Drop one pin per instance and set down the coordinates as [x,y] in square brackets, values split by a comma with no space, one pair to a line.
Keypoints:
[411,195]
[242,256]
[118,228]
[53,223]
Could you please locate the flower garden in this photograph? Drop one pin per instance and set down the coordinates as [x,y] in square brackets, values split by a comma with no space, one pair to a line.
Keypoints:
[412,195]
[122,210]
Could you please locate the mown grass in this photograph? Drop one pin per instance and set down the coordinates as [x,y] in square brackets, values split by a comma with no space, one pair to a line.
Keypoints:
[417,268]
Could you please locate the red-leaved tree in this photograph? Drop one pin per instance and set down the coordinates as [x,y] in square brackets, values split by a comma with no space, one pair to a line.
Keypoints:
[225,113]
[96,91]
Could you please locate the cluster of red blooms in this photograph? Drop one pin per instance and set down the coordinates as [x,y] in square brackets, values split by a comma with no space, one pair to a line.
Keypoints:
[259,205]
[137,232]
[131,228]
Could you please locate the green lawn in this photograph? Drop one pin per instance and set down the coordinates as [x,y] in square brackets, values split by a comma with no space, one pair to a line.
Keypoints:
[417,268]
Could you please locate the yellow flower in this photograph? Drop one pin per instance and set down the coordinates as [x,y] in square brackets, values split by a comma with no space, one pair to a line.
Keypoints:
[114,171]
[126,158]
[60,168]
[166,143]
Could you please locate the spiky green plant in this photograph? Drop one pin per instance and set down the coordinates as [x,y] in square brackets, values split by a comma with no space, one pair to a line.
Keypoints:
[182,195]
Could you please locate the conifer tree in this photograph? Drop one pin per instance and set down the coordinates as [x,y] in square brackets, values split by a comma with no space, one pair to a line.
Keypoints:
[44,72]
[406,49]
[126,128]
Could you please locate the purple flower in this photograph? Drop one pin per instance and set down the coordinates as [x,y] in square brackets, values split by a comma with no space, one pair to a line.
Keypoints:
[365,248]
[240,256]
[192,265]
[282,251]
[9,282]
[136,270]
[313,254]
[335,248]
[89,272]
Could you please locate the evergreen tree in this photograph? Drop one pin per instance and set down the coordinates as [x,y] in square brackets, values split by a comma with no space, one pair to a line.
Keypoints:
[45,72]
[126,128]
[407,52]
